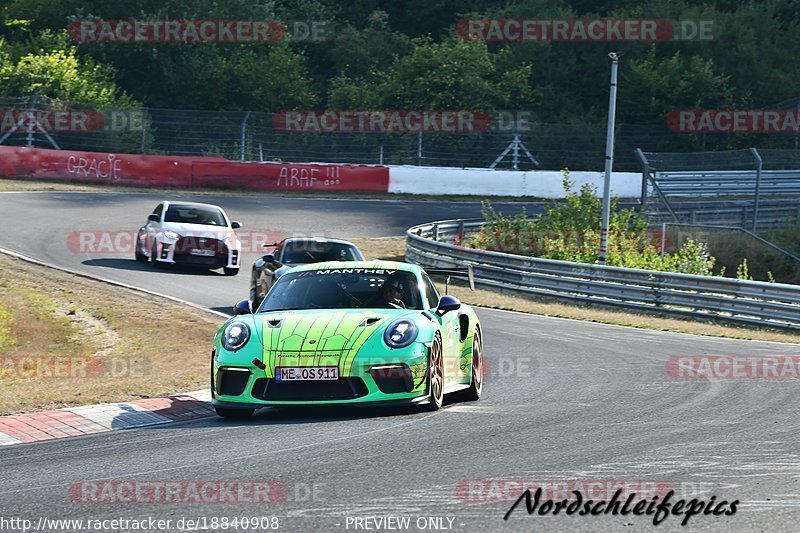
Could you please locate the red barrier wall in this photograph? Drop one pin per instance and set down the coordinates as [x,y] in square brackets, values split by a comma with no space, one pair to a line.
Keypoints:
[186,172]
[291,176]
[96,167]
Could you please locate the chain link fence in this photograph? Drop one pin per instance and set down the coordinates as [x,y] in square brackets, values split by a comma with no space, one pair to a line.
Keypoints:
[253,136]
[755,188]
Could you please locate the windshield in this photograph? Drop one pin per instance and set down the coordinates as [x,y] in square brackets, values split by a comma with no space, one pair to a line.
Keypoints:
[303,252]
[347,288]
[192,214]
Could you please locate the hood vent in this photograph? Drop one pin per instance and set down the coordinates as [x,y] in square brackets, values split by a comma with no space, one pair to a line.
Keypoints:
[369,321]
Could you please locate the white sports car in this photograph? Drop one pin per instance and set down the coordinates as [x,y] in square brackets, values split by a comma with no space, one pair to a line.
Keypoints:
[187,233]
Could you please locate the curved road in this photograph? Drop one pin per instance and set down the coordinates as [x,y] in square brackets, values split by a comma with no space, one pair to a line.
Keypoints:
[585,404]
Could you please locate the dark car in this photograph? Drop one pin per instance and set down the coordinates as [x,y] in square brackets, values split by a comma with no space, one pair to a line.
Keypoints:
[292,252]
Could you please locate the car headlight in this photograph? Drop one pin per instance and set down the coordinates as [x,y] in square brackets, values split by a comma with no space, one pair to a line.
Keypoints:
[400,333]
[169,234]
[235,336]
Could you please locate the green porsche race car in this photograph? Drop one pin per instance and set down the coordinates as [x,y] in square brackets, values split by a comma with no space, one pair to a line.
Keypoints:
[356,332]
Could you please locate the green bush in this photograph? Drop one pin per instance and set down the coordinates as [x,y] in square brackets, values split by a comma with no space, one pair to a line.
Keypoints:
[570,231]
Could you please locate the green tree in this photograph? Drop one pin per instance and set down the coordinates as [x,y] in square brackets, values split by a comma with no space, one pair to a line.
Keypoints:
[454,74]
[653,88]
[58,73]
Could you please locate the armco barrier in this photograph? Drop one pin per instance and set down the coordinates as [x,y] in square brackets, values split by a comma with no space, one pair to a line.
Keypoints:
[749,302]
[187,172]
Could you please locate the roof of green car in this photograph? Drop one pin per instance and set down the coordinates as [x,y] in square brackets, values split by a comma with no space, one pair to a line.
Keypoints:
[333,265]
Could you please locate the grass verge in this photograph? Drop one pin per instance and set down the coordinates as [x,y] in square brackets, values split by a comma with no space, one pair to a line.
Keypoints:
[67,341]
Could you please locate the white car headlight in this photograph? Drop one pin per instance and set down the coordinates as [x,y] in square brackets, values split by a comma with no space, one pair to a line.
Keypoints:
[235,336]
[169,234]
[400,333]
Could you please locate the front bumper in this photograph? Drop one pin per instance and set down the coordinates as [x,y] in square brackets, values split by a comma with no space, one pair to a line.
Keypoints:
[183,252]
[366,382]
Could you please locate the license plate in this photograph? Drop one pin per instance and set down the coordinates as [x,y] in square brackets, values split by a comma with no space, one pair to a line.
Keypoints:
[307,373]
[199,251]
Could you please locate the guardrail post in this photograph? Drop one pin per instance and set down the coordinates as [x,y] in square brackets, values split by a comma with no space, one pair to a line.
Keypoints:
[436,232]
[759,167]
[459,237]
[645,176]
[244,129]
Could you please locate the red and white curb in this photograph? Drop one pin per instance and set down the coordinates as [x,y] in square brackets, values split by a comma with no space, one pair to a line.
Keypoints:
[73,421]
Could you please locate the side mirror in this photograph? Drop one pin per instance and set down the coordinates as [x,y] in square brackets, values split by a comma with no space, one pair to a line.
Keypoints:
[447,304]
[152,217]
[268,258]
[242,307]
[236,224]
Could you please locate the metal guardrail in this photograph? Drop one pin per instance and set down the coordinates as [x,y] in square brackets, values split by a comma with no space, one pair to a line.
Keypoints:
[749,302]
[727,183]
[770,215]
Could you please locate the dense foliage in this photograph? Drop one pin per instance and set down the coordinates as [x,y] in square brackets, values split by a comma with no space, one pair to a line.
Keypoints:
[406,55]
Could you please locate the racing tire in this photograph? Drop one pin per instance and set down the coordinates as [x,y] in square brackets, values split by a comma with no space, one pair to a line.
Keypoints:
[473,393]
[139,255]
[234,414]
[435,375]
[230,271]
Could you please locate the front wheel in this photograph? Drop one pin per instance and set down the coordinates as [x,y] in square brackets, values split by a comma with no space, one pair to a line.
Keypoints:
[435,375]
[235,414]
[230,271]
[139,255]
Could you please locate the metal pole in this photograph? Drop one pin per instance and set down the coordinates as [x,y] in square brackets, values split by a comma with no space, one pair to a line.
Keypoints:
[381,159]
[31,120]
[144,122]
[419,145]
[612,112]
[244,128]
[663,238]
[759,167]
[515,152]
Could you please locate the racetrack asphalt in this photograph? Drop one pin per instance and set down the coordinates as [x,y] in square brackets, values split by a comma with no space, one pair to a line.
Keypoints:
[587,404]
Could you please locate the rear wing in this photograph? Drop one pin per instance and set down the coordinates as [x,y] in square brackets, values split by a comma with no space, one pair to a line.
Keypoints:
[454,271]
